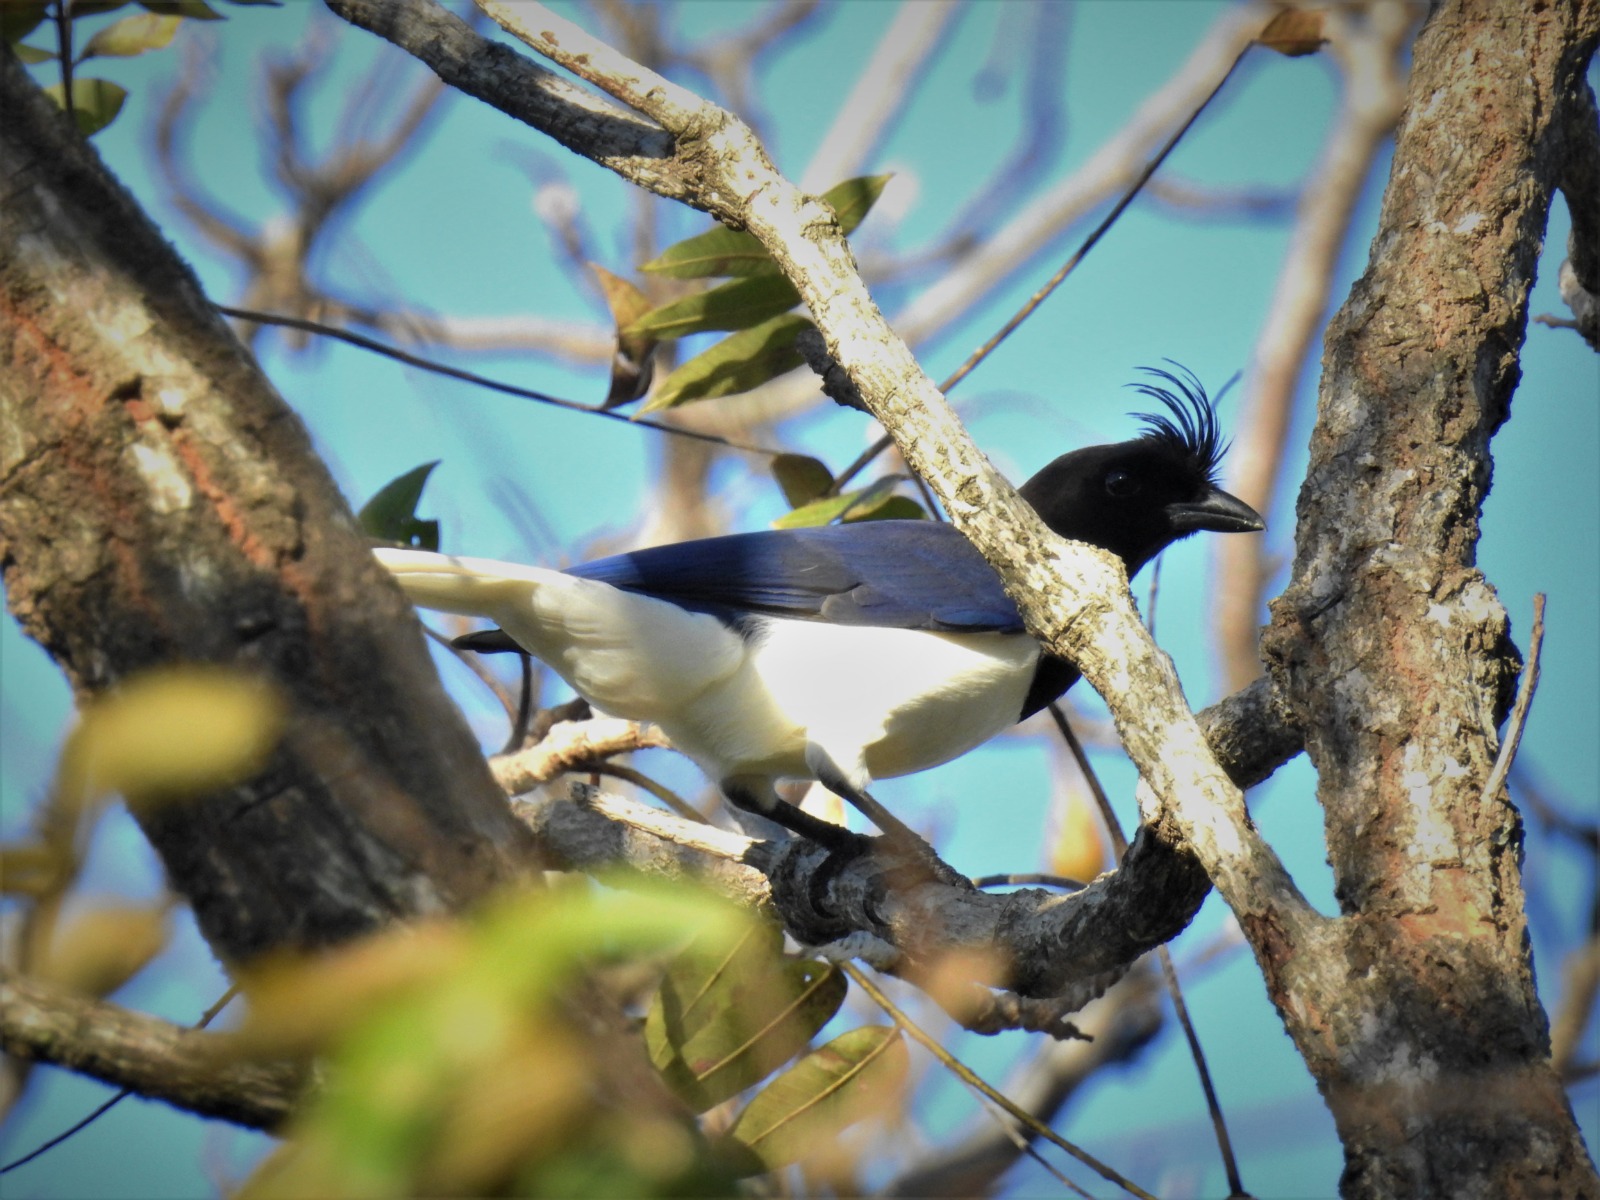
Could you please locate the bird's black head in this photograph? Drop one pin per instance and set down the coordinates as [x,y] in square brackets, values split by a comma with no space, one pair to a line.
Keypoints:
[1136,498]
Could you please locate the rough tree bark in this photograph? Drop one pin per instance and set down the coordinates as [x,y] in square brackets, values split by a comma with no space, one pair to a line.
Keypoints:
[160,503]
[1418,1016]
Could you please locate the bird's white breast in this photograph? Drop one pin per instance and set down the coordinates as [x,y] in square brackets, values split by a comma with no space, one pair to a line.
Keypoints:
[893,700]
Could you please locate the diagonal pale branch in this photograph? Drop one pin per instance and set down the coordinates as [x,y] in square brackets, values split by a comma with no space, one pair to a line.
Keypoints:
[880,93]
[1073,598]
[1104,176]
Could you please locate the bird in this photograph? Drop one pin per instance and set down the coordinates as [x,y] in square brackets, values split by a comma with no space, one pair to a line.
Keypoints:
[841,653]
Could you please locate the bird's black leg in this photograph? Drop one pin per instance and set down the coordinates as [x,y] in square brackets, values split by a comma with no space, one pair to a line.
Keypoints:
[834,838]
[897,834]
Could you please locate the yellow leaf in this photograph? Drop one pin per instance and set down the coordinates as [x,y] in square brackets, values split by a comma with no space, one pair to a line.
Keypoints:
[1078,849]
[1294,32]
[172,733]
[302,1004]
[98,951]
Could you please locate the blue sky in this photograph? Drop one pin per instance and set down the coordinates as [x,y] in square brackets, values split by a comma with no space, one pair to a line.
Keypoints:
[452,230]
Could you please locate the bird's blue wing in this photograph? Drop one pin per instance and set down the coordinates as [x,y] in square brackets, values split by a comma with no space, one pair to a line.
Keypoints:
[898,574]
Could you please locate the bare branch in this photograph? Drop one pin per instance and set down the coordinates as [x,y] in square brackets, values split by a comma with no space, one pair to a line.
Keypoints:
[1107,174]
[155,1058]
[1367,47]
[569,746]
[1118,1025]
[730,62]
[497,75]
[1580,991]
[880,92]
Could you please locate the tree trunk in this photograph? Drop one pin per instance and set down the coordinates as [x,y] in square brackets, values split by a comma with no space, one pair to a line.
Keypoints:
[159,503]
[1419,1018]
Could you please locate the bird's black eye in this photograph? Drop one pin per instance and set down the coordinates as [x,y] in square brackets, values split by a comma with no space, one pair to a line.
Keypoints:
[1122,484]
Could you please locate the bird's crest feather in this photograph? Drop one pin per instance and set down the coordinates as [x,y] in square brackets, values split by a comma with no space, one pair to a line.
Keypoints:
[1192,428]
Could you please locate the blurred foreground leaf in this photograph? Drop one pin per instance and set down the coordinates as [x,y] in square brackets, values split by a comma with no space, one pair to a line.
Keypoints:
[172,733]
[479,1057]
[97,950]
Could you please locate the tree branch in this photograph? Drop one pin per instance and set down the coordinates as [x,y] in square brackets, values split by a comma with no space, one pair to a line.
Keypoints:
[155,1058]
[1042,945]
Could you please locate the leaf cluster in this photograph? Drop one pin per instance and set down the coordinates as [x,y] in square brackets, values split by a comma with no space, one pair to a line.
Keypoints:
[496,1055]
[96,102]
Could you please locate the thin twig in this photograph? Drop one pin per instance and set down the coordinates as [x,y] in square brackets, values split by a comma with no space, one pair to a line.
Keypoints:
[1519,711]
[1099,231]
[64,51]
[412,360]
[1169,974]
[1066,268]
[640,780]
[474,663]
[971,1079]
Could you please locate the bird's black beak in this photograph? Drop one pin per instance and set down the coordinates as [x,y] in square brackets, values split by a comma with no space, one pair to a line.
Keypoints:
[1216,511]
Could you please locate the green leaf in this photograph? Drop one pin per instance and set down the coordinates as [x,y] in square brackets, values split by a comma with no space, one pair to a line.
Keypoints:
[860,505]
[853,199]
[895,508]
[197,10]
[19,18]
[95,8]
[95,102]
[266,3]
[738,305]
[728,1014]
[803,1110]
[735,364]
[723,251]
[33,54]
[133,35]
[391,514]
[801,477]
[719,251]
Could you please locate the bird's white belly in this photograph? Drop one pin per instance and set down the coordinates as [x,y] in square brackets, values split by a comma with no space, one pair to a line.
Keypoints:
[895,701]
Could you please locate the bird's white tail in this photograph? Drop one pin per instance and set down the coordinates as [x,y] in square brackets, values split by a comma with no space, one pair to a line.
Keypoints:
[470,587]
[630,655]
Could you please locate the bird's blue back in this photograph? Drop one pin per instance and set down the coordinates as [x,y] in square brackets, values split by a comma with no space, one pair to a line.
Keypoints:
[896,574]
